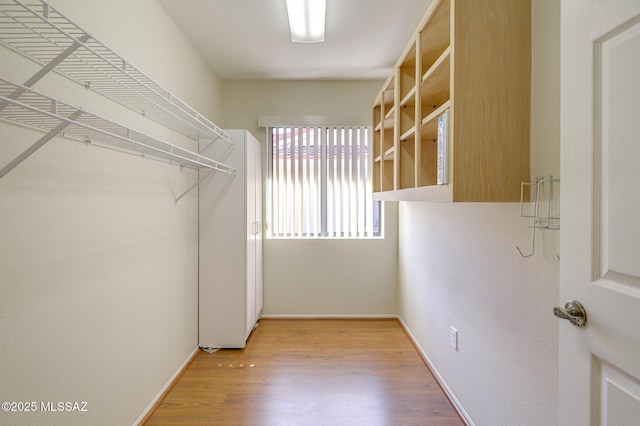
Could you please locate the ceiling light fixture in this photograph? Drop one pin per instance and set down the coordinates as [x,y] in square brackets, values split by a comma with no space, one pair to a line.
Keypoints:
[306,20]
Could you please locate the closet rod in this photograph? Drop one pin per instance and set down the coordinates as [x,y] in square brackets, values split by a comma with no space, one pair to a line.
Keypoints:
[43,112]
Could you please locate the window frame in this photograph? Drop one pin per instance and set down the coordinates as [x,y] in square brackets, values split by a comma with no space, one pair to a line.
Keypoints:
[321,168]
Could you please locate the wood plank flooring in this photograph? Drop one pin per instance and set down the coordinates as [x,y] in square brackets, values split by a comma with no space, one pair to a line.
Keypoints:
[311,372]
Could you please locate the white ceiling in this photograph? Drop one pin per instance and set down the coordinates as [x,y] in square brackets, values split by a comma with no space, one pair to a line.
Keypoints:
[250,39]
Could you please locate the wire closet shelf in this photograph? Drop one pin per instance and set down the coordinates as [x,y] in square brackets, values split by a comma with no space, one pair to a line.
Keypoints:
[40,32]
[39,111]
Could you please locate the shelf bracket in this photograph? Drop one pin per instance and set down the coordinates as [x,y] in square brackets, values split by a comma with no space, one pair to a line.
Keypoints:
[47,68]
[214,140]
[202,179]
[207,146]
[33,148]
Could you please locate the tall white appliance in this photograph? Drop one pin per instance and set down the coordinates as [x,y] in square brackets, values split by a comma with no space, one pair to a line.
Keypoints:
[230,245]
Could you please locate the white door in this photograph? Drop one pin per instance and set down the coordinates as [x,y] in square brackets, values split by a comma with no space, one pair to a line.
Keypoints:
[600,211]
[259,226]
[252,232]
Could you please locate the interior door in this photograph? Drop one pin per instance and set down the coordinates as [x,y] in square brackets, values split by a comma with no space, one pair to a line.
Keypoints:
[600,212]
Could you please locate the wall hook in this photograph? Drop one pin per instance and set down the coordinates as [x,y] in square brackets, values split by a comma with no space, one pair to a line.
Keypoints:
[542,218]
[533,246]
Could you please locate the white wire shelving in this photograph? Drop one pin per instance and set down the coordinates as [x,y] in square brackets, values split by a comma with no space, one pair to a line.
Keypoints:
[58,118]
[37,31]
[40,32]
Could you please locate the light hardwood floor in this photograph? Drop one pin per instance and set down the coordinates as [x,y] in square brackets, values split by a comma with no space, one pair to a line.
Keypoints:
[310,372]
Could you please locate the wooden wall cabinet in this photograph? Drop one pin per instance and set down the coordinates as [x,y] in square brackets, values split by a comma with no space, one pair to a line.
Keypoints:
[472,58]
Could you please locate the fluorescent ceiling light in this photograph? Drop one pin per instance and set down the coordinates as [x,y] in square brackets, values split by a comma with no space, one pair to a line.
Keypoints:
[306,20]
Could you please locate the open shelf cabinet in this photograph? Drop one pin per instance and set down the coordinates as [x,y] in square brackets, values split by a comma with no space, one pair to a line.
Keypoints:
[384,153]
[469,59]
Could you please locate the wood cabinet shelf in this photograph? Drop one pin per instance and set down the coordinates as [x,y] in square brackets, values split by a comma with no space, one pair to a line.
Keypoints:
[408,135]
[409,99]
[430,122]
[436,85]
[470,60]
[389,154]
[389,121]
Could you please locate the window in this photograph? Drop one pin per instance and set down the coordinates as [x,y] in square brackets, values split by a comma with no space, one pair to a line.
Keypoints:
[318,183]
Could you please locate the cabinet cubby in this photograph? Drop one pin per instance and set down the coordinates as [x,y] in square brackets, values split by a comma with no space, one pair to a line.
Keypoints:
[472,59]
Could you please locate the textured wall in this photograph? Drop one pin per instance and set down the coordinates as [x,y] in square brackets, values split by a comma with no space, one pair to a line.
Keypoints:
[459,267]
[98,269]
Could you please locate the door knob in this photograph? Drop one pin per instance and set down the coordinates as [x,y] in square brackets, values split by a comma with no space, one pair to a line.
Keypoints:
[572,311]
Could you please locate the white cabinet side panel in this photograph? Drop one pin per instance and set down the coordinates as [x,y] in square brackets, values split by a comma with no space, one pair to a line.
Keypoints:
[223,254]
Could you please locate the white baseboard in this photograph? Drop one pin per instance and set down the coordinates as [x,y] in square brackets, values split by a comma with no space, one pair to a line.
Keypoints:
[443,384]
[332,316]
[166,387]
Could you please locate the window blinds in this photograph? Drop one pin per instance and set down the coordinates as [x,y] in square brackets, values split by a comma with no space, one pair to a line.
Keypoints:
[318,183]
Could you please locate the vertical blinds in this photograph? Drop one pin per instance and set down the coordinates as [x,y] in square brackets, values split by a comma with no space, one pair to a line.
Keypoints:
[318,183]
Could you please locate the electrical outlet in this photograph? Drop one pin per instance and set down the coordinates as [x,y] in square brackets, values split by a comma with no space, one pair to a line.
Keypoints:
[453,336]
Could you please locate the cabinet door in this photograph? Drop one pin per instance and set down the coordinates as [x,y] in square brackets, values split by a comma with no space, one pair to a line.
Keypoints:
[259,227]
[252,232]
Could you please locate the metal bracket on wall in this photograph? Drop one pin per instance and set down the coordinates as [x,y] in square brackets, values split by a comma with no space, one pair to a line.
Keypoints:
[545,214]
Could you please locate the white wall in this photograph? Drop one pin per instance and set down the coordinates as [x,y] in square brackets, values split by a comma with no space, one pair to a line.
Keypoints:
[98,269]
[244,101]
[355,277]
[459,267]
